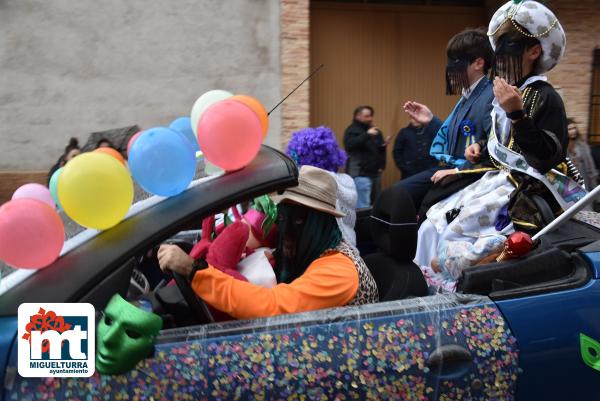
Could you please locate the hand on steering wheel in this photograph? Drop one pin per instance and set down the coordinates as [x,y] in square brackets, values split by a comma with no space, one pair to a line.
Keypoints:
[174,260]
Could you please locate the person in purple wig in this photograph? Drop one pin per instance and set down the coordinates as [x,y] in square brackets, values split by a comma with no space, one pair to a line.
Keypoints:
[318,147]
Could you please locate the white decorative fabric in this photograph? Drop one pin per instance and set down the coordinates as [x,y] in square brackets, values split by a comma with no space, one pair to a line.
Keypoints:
[455,256]
[257,269]
[540,22]
[479,205]
[346,202]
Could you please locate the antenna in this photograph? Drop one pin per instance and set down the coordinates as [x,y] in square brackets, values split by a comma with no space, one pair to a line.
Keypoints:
[296,88]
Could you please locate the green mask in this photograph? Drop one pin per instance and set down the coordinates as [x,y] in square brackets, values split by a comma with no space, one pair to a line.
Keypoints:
[125,336]
[590,351]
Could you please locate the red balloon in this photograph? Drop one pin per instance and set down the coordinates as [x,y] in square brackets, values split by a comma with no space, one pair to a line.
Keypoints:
[31,234]
[230,134]
[132,140]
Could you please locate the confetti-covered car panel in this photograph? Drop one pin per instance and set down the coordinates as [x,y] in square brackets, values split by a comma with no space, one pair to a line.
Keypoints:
[384,351]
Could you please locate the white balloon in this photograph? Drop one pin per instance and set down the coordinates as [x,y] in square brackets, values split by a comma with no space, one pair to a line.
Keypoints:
[204,102]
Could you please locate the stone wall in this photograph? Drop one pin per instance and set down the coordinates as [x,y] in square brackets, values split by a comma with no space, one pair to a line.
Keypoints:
[69,68]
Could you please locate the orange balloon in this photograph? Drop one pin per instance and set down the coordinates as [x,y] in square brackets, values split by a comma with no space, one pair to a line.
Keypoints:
[256,107]
[112,152]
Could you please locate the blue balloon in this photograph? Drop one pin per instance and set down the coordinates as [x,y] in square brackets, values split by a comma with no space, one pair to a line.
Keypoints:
[162,161]
[184,125]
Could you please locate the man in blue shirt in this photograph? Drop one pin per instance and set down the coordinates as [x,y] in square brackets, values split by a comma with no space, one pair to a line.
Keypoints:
[458,143]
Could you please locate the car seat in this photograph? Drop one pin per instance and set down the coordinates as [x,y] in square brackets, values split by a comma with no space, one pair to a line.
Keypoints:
[364,239]
[394,231]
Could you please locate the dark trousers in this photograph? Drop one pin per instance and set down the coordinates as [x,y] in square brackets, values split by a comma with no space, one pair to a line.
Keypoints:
[419,184]
[376,188]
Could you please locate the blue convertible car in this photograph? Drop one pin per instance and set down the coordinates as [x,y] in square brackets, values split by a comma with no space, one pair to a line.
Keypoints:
[526,329]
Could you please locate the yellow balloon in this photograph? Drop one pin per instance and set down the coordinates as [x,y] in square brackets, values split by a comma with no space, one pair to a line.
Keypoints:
[95,190]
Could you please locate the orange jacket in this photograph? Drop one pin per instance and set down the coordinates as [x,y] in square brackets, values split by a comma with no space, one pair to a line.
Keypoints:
[329,281]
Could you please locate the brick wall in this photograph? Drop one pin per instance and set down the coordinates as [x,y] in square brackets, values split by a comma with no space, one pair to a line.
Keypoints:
[581,21]
[295,65]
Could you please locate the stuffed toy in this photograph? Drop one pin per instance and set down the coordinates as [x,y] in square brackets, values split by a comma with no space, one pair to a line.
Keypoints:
[257,230]
[240,249]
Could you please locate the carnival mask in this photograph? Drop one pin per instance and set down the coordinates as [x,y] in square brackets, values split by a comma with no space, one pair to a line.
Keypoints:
[456,75]
[509,56]
[126,335]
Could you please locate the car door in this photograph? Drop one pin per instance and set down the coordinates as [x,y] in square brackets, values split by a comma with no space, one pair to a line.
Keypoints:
[443,347]
[559,334]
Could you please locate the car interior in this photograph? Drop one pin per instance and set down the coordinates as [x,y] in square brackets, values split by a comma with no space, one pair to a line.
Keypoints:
[387,238]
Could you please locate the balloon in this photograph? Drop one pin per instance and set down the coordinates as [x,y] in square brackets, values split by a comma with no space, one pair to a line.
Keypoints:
[184,126]
[258,108]
[54,186]
[35,191]
[162,161]
[95,190]
[204,102]
[113,153]
[229,134]
[132,140]
[31,233]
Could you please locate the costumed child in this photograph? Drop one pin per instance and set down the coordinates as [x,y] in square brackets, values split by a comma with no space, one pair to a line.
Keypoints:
[470,58]
[527,145]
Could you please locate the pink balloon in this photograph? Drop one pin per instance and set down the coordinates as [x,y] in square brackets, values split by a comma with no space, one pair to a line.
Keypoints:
[229,134]
[132,140]
[35,191]
[31,234]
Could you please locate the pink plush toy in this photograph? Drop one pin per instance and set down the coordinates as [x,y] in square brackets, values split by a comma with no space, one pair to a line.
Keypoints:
[233,249]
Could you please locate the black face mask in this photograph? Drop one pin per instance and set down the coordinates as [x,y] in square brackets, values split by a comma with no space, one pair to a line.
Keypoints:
[291,221]
[509,56]
[304,234]
[456,75]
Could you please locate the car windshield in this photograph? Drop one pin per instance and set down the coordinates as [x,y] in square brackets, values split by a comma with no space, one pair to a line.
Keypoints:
[76,235]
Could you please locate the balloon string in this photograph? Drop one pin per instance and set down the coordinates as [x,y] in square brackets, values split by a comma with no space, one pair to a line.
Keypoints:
[296,88]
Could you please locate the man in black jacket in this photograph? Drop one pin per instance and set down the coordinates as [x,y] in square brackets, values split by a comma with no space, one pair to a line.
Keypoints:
[366,155]
[411,149]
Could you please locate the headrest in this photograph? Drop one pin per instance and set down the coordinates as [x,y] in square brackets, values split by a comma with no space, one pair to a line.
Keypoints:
[394,224]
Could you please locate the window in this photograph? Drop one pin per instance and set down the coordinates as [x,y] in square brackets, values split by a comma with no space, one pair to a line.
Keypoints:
[594,126]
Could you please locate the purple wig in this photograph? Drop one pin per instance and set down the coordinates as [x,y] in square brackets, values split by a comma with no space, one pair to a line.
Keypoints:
[316,147]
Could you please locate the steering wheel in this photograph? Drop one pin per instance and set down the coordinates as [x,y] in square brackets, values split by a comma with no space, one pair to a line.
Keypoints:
[196,304]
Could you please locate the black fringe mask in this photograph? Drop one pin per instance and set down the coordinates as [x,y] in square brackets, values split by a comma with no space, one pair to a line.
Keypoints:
[304,234]
[456,76]
[509,67]
[509,56]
